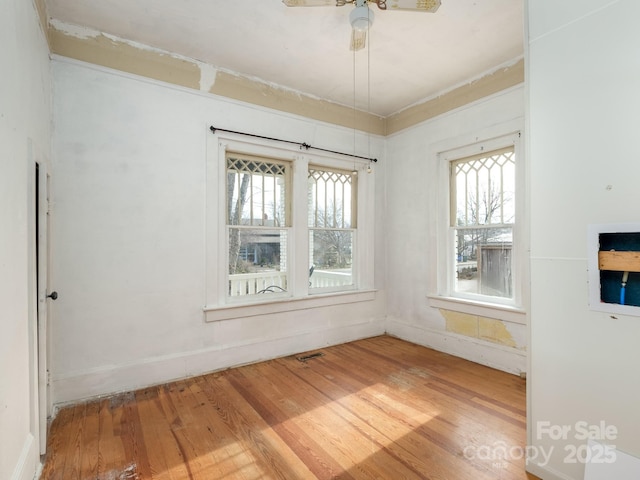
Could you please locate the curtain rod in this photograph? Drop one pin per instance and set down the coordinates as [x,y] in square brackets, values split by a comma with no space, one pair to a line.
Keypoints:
[305,145]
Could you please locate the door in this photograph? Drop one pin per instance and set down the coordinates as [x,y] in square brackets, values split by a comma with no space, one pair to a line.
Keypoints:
[44,297]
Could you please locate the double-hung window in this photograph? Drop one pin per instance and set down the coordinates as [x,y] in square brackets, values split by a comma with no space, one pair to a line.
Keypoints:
[257,220]
[331,222]
[288,228]
[482,219]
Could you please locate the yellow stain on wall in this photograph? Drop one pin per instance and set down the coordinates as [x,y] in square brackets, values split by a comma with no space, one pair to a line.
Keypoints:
[118,54]
[151,63]
[483,328]
[247,90]
[483,87]
[494,331]
[461,323]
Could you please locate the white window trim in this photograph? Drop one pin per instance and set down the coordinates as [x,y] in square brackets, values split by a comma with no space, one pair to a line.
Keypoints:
[354,233]
[441,294]
[216,314]
[218,306]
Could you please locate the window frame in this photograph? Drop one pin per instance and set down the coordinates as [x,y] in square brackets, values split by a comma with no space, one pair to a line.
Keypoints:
[442,293]
[218,305]
[455,228]
[353,229]
[287,221]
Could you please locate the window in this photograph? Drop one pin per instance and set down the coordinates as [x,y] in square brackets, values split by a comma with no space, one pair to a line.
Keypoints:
[290,228]
[331,222]
[257,192]
[482,219]
[282,230]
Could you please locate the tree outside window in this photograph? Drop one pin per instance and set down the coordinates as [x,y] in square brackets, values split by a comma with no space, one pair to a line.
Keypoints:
[483,217]
[331,221]
[257,217]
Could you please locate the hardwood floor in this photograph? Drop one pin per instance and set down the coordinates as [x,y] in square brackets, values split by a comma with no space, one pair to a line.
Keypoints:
[377,408]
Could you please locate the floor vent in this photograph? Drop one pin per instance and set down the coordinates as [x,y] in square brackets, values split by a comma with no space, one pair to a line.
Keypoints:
[310,357]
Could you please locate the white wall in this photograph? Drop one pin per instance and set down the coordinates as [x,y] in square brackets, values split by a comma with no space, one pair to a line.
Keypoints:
[416,199]
[129,237]
[584,112]
[25,115]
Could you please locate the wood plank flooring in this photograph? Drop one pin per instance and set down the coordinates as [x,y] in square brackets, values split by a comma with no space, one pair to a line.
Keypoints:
[378,408]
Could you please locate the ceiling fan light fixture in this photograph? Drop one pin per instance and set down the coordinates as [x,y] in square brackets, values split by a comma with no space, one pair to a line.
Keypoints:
[361,18]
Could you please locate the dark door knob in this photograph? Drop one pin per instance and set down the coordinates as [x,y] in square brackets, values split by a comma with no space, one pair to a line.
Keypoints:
[53,295]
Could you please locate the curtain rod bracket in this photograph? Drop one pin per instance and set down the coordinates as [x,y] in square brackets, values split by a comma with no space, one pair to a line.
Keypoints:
[302,145]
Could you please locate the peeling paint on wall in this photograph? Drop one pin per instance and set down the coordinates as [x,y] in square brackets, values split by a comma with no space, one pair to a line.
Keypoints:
[482,87]
[72,30]
[208,75]
[482,328]
[91,46]
[495,331]
[109,51]
[461,323]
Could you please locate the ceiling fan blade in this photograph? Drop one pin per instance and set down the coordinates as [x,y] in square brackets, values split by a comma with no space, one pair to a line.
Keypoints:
[358,39]
[312,3]
[415,5]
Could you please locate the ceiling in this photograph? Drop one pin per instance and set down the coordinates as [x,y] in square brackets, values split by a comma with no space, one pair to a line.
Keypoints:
[410,56]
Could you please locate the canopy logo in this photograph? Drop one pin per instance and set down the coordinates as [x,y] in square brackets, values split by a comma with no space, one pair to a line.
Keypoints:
[575,448]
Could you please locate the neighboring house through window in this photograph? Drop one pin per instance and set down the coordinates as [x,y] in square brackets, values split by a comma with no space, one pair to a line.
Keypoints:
[257,224]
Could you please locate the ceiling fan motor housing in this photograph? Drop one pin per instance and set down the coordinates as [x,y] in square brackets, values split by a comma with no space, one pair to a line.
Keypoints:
[361,17]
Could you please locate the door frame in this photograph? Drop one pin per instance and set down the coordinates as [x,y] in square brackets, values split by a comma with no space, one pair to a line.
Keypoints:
[43,305]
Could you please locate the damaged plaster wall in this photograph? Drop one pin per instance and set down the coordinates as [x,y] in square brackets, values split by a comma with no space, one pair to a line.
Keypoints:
[487,329]
[99,48]
[91,46]
[415,195]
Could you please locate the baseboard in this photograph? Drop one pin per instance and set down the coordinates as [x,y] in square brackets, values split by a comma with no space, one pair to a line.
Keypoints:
[622,466]
[154,371]
[503,358]
[547,473]
[28,463]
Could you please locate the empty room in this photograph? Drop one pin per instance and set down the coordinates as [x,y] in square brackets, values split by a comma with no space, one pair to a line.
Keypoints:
[319,239]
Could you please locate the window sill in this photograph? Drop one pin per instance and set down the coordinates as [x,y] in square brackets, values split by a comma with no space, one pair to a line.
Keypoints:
[229,312]
[506,313]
